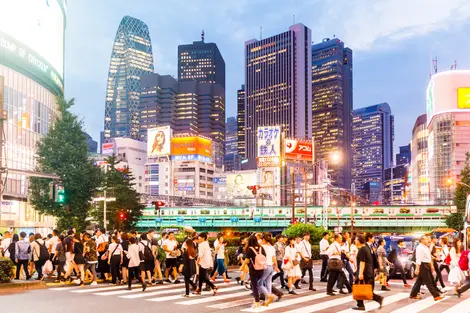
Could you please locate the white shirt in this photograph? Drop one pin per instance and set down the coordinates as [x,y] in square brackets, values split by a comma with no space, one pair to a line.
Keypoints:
[423,254]
[100,239]
[53,242]
[346,247]
[133,255]
[5,245]
[205,255]
[115,246]
[334,248]
[324,246]
[170,245]
[221,251]
[305,248]
[445,252]
[270,254]
[454,257]
[291,253]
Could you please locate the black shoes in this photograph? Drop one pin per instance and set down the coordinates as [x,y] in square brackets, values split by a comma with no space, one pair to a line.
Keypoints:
[384,288]
[312,289]
[303,282]
[359,308]
[292,292]
[331,294]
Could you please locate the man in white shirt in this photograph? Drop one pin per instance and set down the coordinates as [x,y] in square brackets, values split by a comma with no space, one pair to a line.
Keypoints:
[334,252]
[347,264]
[305,249]
[169,246]
[324,244]
[424,269]
[204,262]
[6,243]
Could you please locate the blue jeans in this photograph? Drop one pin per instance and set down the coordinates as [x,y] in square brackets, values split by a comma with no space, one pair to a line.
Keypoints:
[220,266]
[265,282]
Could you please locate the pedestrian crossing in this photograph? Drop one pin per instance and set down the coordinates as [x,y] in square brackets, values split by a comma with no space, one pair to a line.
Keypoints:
[233,297]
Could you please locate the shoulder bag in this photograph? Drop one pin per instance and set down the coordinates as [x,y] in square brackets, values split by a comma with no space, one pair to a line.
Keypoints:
[306,264]
[335,264]
[362,291]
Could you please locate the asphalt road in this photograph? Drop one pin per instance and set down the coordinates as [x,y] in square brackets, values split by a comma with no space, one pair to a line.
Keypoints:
[230,298]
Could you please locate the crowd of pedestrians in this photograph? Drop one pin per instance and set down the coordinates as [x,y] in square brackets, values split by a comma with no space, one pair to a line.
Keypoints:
[127,257]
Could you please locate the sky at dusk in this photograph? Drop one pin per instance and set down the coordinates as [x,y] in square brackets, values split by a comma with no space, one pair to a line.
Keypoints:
[393,42]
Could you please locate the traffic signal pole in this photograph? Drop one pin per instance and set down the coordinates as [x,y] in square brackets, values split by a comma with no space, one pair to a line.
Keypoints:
[293,193]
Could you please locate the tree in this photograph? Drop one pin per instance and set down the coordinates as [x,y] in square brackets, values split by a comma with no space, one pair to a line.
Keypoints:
[299,229]
[461,191]
[125,211]
[64,152]
[455,221]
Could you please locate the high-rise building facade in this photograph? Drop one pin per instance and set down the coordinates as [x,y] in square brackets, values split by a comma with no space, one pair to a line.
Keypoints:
[404,156]
[241,122]
[231,159]
[372,147]
[332,105]
[92,144]
[131,58]
[278,75]
[202,62]
[31,77]
[419,163]
[189,107]
[448,123]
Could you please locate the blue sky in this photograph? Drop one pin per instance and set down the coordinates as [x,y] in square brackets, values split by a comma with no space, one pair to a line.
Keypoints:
[393,42]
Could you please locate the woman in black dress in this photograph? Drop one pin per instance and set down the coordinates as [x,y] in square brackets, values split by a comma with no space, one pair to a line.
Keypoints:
[125,260]
[78,258]
[189,265]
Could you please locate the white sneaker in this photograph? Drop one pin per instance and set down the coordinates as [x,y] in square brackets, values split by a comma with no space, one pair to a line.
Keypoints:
[94,283]
[76,281]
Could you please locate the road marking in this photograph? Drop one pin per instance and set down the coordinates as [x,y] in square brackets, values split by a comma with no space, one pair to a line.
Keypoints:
[94,289]
[387,300]
[221,290]
[459,307]
[288,302]
[419,306]
[138,288]
[156,293]
[214,298]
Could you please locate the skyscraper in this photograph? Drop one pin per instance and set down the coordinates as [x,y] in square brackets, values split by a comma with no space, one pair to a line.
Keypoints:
[278,85]
[231,159]
[404,156]
[372,147]
[202,62]
[241,121]
[189,107]
[332,104]
[131,57]
[419,162]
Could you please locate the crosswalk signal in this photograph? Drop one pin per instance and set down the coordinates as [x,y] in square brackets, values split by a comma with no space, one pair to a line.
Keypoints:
[122,216]
[158,204]
[60,195]
[254,189]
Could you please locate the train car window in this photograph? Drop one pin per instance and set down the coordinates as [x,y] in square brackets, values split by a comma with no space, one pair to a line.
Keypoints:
[432,210]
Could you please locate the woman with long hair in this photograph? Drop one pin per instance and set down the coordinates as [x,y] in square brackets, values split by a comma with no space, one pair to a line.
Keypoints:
[252,250]
[220,257]
[456,276]
[125,261]
[78,258]
[383,262]
[291,264]
[188,267]
[115,259]
[266,281]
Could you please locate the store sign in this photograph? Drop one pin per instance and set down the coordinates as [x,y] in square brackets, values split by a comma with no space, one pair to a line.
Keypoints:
[220,180]
[300,150]
[10,210]
[107,148]
[191,149]
[269,146]
[191,157]
[463,97]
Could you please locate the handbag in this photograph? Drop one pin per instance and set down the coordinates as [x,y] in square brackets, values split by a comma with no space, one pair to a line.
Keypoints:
[362,291]
[287,265]
[335,264]
[306,264]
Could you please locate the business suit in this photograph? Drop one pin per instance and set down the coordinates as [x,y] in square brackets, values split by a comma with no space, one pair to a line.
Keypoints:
[366,255]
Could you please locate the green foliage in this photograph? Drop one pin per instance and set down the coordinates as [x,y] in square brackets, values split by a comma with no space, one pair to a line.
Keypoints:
[461,191]
[118,184]
[232,259]
[455,221]
[231,241]
[6,270]
[300,228]
[315,252]
[64,152]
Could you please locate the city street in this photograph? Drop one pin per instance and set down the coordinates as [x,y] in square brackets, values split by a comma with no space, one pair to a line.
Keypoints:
[230,298]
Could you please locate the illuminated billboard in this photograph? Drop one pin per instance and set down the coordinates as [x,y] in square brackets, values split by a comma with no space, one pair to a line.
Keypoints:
[32,40]
[269,146]
[300,150]
[270,182]
[158,141]
[191,149]
[108,148]
[448,92]
[237,184]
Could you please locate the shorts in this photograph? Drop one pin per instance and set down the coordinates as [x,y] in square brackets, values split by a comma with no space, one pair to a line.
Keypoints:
[170,263]
[146,266]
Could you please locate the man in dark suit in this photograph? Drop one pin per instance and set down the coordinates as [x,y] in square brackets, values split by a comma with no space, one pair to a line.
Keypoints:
[365,272]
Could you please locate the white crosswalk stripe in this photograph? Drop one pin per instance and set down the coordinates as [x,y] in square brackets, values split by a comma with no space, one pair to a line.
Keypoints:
[232,296]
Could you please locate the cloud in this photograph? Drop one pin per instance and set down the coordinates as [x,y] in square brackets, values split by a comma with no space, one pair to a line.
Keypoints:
[367,25]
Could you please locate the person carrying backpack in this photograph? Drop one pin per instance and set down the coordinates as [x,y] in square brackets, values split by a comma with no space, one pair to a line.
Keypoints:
[255,258]
[40,254]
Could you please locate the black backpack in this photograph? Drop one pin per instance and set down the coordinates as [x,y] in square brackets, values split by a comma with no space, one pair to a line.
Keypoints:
[11,249]
[393,256]
[43,253]
[148,255]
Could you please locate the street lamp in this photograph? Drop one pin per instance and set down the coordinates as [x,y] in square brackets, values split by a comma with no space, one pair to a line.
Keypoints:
[450,181]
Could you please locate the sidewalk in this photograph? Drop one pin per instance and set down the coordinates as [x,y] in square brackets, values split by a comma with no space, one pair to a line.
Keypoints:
[21,285]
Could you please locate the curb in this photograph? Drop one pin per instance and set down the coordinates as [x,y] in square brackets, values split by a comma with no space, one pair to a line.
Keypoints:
[20,287]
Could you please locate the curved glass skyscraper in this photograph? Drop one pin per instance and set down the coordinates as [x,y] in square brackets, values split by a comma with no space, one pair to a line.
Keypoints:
[131,57]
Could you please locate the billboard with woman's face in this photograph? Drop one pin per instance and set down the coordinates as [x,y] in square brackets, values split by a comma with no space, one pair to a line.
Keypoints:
[158,141]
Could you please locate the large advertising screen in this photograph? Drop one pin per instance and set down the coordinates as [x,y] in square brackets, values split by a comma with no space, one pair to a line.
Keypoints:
[237,184]
[32,39]
[269,146]
[159,141]
[191,149]
[300,150]
[448,92]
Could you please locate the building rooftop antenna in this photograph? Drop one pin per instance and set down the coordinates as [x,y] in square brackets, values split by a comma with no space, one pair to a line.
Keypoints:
[293,19]
[261,33]
[202,35]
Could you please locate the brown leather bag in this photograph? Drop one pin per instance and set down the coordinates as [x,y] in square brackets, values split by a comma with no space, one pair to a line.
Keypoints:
[362,291]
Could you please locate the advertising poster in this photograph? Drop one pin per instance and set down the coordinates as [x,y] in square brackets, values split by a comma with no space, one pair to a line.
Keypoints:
[298,150]
[269,146]
[158,141]
[237,185]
